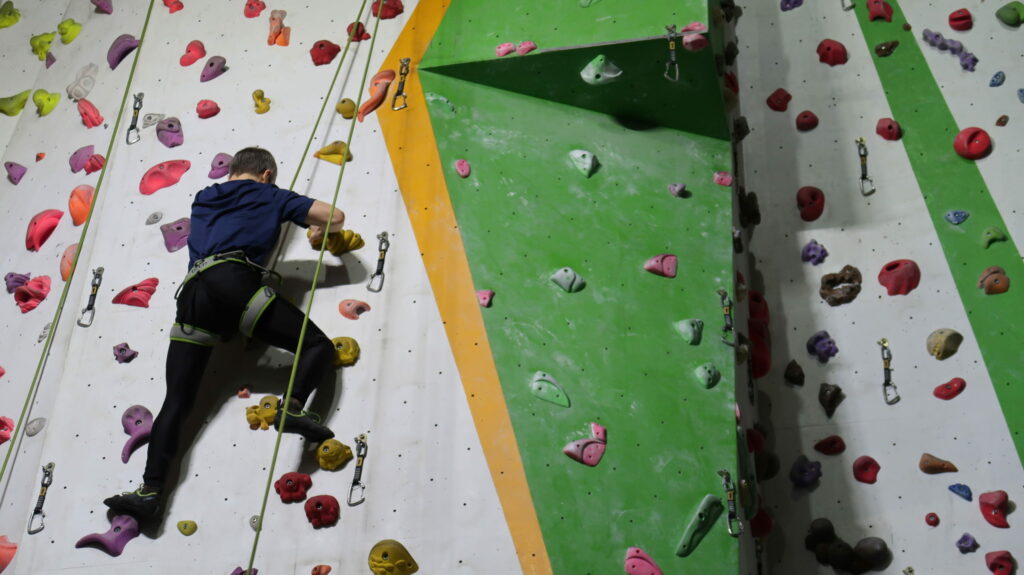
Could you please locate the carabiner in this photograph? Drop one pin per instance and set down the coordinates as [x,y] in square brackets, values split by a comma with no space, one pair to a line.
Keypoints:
[89,311]
[867,186]
[357,484]
[133,130]
[726,303]
[38,513]
[376,282]
[400,93]
[672,64]
[733,523]
[889,392]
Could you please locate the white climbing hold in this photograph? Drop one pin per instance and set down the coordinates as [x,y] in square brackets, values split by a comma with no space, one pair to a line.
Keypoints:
[585,162]
[569,280]
[600,71]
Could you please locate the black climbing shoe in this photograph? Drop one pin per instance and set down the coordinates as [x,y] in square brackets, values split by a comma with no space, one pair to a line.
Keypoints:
[306,424]
[136,503]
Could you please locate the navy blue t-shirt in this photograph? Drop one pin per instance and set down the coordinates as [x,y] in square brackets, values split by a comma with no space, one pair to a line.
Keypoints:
[242,215]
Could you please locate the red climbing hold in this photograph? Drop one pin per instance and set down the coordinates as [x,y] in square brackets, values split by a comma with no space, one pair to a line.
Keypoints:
[1000,562]
[831,445]
[889,129]
[663,265]
[806,121]
[832,53]
[292,486]
[779,100]
[879,9]
[994,506]
[900,277]
[950,389]
[193,52]
[32,293]
[253,8]
[323,52]
[731,82]
[391,8]
[94,163]
[173,5]
[207,109]
[91,116]
[357,32]
[760,338]
[755,441]
[865,469]
[972,143]
[138,295]
[961,20]
[811,203]
[163,175]
[40,227]
[322,511]
[932,519]
[761,524]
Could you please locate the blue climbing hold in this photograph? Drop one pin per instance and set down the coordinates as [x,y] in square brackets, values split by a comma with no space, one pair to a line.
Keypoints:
[997,80]
[962,490]
[957,217]
[787,5]
[1020,95]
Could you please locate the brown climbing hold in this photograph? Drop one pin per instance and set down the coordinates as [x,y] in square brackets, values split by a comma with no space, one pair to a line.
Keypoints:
[907,26]
[994,281]
[889,129]
[830,396]
[806,121]
[779,100]
[943,343]
[794,373]
[865,469]
[932,465]
[842,287]
[1003,120]
[831,445]
[885,49]
[832,53]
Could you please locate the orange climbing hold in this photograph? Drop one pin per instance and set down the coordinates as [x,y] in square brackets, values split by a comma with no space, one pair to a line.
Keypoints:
[40,228]
[138,295]
[378,92]
[79,203]
[66,261]
[163,175]
[280,34]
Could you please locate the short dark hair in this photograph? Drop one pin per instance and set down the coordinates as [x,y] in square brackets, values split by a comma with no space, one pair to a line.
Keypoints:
[254,161]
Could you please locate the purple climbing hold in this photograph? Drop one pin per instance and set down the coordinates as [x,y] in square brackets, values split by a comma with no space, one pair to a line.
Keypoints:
[968,61]
[822,346]
[967,543]
[934,39]
[123,528]
[15,172]
[240,571]
[124,354]
[954,46]
[137,422]
[15,280]
[962,490]
[176,234]
[120,48]
[50,60]
[804,472]
[220,166]
[678,190]
[215,66]
[168,131]
[80,158]
[788,5]
[105,6]
[813,252]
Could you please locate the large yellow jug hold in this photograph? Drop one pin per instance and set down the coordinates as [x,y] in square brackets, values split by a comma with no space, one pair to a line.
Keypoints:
[334,152]
[389,557]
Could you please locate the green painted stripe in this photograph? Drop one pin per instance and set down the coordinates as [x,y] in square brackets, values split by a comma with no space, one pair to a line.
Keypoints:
[949,182]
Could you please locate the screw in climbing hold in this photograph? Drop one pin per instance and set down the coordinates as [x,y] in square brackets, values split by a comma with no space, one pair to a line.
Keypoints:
[37,514]
[133,130]
[85,320]
[733,523]
[358,489]
[867,186]
[400,93]
[889,392]
[672,66]
[376,282]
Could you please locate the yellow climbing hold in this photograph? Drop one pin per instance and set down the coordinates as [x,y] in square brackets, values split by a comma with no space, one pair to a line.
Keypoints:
[339,242]
[347,108]
[12,105]
[334,152]
[45,101]
[348,351]
[262,415]
[41,44]
[187,527]
[68,30]
[261,101]
[389,557]
[333,454]
[9,15]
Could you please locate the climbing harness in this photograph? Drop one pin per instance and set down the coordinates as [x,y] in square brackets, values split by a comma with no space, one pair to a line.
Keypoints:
[888,387]
[85,320]
[357,484]
[376,282]
[133,129]
[403,71]
[726,302]
[672,66]
[733,523]
[867,186]
[846,4]
[37,514]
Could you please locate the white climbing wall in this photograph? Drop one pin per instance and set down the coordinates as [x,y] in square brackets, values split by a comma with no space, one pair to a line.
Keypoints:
[427,482]
[778,50]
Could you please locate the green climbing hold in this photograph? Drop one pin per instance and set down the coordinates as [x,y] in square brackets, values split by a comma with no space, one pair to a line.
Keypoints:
[545,387]
[600,71]
[187,527]
[708,375]
[12,105]
[585,162]
[68,30]
[1011,14]
[41,44]
[45,101]
[703,519]
[9,15]
[991,236]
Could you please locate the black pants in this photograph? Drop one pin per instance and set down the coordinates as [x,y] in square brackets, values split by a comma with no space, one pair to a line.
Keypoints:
[214,301]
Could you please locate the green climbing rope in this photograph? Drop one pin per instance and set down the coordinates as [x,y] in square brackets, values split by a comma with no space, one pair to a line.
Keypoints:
[312,290]
[41,365]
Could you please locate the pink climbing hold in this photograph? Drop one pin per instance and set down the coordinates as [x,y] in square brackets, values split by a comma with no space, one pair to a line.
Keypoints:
[525,47]
[253,8]
[214,67]
[174,5]
[353,308]
[137,422]
[694,27]
[323,52]
[137,295]
[806,121]
[91,116]
[462,168]
[207,109]
[120,48]
[40,227]
[79,158]
[163,175]
[67,259]
[994,507]
[900,277]
[390,9]
[663,265]
[29,296]
[15,172]
[779,100]
[695,42]
[879,9]
[832,53]
[104,6]
[889,129]
[589,451]
[504,49]
[123,528]
[6,430]
[485,297]
[865,469]
[220,165]
[7,551]
[723,178]
[193,52]
[950,389]
[638,562]
[357,32]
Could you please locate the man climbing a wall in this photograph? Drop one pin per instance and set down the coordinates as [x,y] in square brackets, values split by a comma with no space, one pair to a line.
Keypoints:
[235,226]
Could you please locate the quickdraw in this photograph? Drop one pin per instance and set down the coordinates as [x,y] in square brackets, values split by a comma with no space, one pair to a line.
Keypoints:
[888,387]
[37,514]
[89,311]
[726,302]
[133,130]
[357,484]
[867,186]
[672,66]
[733,523]
[376,282]
[403,72]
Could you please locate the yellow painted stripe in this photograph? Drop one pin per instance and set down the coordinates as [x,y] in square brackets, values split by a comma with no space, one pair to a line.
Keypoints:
[417,163]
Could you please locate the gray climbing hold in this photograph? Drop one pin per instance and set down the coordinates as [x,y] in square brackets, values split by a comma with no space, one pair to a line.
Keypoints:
[32,428]
[254,522]
[997,79]
[149,120]
[545,387]
[45,333]
[154,218]
[588,3]
[435,97]
[708,375]
[568,280]
[600,71]
[691,330]
[585,162]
